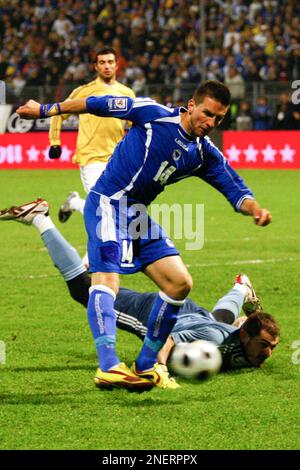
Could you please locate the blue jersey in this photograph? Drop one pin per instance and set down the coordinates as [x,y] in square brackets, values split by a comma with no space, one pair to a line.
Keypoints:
[157,151]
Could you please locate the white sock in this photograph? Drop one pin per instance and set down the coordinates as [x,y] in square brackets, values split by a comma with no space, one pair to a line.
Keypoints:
[42,223]
[77,204]
[240,287]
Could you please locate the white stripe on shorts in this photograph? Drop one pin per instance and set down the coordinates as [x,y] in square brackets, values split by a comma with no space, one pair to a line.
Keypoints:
[108,222]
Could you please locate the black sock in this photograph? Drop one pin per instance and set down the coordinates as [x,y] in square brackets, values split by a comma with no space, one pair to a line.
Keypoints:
[223,316]
[79,288]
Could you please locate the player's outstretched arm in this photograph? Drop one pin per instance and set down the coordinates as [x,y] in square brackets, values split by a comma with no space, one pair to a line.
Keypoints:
[260,216]
[165,351]
[34,110]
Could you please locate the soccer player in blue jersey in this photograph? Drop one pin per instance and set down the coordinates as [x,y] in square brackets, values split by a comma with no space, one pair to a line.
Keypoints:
[243,342]
[163,146]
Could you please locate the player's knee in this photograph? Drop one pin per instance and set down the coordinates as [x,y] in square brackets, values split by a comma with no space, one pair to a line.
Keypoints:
[182,287]
[187,286]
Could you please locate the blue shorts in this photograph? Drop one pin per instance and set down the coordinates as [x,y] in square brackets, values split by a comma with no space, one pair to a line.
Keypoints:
[122,238]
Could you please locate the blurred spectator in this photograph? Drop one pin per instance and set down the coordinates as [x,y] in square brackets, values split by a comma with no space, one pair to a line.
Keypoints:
[229,65]
[132,71]
[251,72]
[262,115]
[3,66]
[244,117]
[284,118]
[236,84]
[138,84]
[231,37]
[245,41]
[284,73]
[62,25]
[296,116]
[214,72]
[195,70]
[295,63]
[269,71]
[76,71]
[18,83]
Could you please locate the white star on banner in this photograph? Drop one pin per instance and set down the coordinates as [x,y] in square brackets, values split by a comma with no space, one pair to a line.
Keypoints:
[33,154]
[269,154]
[46,155]
[233,154]
[65,154]
[251,154]
[287,154]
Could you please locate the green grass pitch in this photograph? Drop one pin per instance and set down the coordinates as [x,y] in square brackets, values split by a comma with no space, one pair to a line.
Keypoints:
[47,396]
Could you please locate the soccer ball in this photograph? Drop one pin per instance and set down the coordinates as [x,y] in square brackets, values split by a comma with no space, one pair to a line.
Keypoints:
[199,359]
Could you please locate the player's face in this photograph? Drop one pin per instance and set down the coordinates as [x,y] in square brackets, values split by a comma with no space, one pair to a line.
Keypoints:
[106,67]
[260,347]
[204,117]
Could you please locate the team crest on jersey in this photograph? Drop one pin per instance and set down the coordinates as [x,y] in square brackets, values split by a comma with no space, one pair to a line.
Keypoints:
[169,242]
[176,154]
[118,104]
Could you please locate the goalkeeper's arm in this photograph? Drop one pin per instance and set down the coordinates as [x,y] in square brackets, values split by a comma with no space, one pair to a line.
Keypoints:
[55,128]
[54,151]
[165,351]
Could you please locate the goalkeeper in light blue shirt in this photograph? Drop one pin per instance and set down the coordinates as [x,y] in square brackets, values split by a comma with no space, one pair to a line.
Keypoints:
[243,342]
[163,146]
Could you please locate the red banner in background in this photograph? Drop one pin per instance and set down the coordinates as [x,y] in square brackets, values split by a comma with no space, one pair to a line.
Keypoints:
[30,150]
[243,149]
[262,149]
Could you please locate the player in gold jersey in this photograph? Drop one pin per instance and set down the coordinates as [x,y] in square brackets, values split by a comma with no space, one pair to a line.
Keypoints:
[97,137]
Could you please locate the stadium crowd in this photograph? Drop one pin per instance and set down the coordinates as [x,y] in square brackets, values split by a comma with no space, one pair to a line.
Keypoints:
[53,42]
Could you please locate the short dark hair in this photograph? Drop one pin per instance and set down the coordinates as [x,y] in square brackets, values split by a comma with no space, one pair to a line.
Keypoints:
[256,322]
[104,51]
[214,89]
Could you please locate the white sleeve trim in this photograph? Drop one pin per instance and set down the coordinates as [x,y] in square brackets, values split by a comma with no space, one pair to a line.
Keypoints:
[240,201]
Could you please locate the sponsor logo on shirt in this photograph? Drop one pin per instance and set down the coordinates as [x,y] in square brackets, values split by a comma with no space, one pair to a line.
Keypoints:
[184,146]
[118,104]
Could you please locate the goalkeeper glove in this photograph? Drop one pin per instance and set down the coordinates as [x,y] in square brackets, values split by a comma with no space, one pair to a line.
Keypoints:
[54,151]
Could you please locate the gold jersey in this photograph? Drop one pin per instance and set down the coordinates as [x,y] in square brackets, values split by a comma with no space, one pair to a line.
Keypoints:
[97,136]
